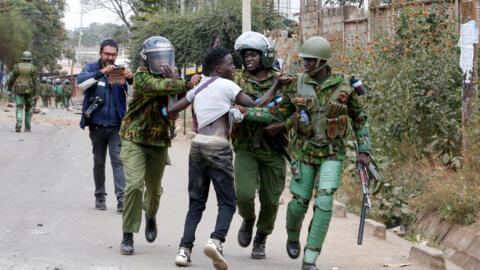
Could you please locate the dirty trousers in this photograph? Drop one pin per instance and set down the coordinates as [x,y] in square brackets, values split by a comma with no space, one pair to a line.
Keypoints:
[209,161]
[144,167]
[262,172]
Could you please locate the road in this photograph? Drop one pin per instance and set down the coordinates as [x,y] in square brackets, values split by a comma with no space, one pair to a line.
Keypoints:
[48,220]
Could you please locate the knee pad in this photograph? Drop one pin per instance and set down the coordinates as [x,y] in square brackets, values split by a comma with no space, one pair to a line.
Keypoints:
[324,200]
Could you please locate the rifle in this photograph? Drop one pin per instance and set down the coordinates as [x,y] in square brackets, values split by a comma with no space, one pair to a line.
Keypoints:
[365,181]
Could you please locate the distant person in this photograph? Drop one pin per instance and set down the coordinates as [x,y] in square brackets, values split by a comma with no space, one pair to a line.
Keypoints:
[23,83]
[210,157]
[44,89]
[59,89]
[104,107]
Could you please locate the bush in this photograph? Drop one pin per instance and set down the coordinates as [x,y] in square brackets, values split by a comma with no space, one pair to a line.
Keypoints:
[414,105]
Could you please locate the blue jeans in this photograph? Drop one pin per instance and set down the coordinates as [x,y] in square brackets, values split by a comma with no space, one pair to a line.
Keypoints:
[103,138]
[209,163]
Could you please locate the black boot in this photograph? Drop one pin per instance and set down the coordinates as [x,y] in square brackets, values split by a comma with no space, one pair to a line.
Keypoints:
[126,248]
[150,228]
[245,232]
[293,249]
[258,251]
[309,266]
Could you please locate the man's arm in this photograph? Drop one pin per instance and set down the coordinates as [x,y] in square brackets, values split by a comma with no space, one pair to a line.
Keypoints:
[87,78]
[11,80]
[152,86]
[177,107]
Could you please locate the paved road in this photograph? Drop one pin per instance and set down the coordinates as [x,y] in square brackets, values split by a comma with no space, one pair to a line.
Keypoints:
[48,220]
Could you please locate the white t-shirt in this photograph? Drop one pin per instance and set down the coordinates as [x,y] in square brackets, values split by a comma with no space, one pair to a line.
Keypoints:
[214,100]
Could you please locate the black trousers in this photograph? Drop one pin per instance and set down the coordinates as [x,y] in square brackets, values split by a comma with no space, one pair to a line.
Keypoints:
[209,163]
[104,138]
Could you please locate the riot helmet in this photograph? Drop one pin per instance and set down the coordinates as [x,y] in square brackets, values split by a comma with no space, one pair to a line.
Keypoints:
[27,56]
[158,51]
[44,79]
[256,41]
[66,82]
[318,48]
[57,81]
[49,81]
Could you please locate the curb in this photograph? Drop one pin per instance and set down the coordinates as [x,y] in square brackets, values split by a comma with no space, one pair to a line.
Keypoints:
[429,256]
[378,229]
[339,210]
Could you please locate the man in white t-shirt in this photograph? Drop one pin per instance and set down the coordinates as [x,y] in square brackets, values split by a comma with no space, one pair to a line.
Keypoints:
[210,157]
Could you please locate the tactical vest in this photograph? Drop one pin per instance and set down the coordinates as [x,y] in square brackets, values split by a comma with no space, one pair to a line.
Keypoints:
[24,82]
[44,89]
[328,122]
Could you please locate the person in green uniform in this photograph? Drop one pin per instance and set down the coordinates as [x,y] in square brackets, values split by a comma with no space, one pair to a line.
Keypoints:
[146,138]
[67,95]
[44,89]
[317,105]
[23,82]
[49,94]
[259,163]
[59,90]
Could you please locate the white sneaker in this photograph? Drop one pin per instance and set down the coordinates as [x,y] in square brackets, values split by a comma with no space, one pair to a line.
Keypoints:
[214,250]
[183,257]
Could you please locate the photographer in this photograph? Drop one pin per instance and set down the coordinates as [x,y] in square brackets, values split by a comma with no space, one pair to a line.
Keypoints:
[104,107]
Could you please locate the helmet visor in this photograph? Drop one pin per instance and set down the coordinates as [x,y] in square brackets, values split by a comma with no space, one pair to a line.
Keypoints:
[157,59]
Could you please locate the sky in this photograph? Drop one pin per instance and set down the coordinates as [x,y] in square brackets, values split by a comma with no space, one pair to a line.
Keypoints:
[72,14]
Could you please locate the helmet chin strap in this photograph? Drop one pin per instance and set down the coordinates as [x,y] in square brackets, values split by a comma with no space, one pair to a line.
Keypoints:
[317,68]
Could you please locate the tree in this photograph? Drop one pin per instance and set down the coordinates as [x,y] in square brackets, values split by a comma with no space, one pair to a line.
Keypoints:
[194,33]
[33,25]
[122,8]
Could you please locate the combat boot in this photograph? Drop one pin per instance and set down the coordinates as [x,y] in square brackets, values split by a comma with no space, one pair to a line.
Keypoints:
[245,232]
[27,128]
[258,251]
[126,248]
[18,127]
[150,228]
[309,266]
[293,249]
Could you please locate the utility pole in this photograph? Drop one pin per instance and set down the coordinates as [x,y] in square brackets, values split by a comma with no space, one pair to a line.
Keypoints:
[246,16]
[83,10]
[469,90]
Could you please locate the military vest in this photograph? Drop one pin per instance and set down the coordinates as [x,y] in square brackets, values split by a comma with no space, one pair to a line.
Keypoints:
[328,120]
[24,82]
[44,89]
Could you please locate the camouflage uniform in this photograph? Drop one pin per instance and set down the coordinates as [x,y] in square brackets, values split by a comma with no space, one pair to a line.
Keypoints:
[145,140]
[44,92]
[259,163]
[59,93]
[67,95]
[23,82]
[317,163]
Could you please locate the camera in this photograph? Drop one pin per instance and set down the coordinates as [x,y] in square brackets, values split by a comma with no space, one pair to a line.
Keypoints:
[95,103]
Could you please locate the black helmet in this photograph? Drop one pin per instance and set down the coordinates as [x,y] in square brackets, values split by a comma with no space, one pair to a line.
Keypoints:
[66,82]
[157,51]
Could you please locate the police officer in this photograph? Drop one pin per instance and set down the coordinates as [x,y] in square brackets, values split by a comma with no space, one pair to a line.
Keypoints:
[259,164]
[59,92]
[23,82]
[49,92]
[146,138]
[44,89]
[67,95]
[318,104]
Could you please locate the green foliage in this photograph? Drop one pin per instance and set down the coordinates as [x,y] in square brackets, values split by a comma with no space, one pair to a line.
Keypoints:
[95,33]
[414,82]
[15,37]
[33,25]
[194,33]
[414,105]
